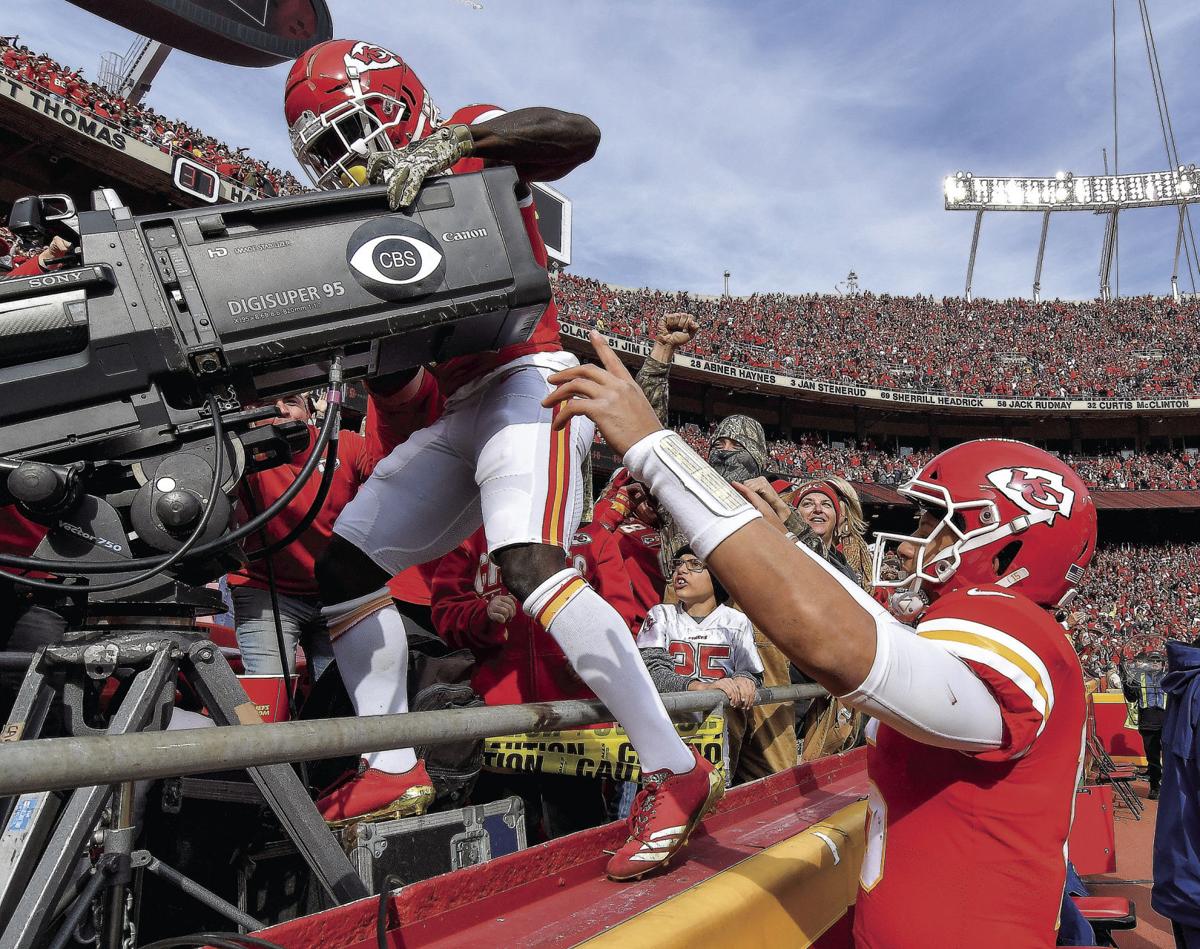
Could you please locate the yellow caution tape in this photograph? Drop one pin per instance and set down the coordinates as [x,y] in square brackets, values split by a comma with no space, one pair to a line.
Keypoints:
[599,752]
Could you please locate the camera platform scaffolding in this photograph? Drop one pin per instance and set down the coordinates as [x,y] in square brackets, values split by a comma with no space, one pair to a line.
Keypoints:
[46,836]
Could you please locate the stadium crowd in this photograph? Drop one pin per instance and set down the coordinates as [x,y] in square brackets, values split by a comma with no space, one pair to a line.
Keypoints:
[1134,347]
[465,639]
[1133,598]
[172,136]
[812,456]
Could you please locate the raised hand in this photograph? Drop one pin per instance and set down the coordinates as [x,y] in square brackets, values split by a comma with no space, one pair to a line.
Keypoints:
[607,395]
[676,329]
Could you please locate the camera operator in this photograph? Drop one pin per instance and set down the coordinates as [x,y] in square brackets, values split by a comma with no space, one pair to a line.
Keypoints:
[398,405]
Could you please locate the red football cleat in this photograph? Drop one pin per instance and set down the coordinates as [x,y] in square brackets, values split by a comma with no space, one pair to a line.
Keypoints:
[373,795]
[664,814]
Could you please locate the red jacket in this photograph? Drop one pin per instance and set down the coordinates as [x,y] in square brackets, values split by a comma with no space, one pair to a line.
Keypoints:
[19,536]
[528,665]
[30,267]
[390,420]
[639,546]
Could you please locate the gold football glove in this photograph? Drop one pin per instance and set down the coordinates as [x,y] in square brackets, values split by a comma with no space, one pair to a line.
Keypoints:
[405,170]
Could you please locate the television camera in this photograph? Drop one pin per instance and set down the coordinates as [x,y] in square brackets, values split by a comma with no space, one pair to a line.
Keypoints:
[130,375]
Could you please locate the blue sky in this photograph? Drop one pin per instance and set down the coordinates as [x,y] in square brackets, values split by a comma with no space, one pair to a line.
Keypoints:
[785,141]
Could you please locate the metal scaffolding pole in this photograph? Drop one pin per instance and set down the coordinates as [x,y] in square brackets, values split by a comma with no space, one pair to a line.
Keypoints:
[53,763]
[1178,244]
[1037,271]
[974,248]
[1106,254]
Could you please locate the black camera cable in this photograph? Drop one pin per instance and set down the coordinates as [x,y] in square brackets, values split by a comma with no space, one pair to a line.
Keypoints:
[185,548]
[71,568]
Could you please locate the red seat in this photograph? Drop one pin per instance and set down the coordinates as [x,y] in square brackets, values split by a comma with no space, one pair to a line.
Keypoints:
[1107,912]
[222,636]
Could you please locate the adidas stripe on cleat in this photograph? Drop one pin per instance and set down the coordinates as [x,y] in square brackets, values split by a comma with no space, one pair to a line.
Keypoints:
[665,813]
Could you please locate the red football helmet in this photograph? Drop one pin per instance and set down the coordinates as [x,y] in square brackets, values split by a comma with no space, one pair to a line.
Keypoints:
[1002,500]
[346,99]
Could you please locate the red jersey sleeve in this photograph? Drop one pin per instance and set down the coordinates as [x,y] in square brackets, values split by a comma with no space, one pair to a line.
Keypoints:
[613,505]
[470,115]
[392,419]
[459,611]
[28,268]
[1005,640]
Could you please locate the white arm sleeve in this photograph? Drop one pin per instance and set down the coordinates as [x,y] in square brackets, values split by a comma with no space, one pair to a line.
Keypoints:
[706,509]
[917,686]
[924,691]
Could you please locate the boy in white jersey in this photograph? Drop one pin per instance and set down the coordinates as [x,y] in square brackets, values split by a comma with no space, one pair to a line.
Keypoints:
[699,642]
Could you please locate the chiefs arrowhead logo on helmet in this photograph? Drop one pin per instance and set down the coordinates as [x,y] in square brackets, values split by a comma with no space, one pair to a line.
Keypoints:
[366,56]
[1018,516]
[1036,490]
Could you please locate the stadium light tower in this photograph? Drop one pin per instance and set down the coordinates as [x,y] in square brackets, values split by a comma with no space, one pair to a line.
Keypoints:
[849,286]
[130,76]
[1100,194]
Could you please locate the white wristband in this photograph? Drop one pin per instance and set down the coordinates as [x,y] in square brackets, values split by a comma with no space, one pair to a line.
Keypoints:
[705,507]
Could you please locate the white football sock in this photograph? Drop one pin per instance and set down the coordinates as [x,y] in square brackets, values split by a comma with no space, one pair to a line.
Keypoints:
[600,647]
[372,657]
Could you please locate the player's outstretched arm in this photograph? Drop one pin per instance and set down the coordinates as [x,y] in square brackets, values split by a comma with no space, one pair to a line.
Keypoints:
[787,594]
[824,623]
[542,144]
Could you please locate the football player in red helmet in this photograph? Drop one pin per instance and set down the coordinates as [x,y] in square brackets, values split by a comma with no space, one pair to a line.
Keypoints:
[978,713]
[345,101]
[998,520]
[359,114]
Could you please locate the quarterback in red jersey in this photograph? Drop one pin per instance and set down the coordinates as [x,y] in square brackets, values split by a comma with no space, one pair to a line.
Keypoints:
[358,113]
[979,711]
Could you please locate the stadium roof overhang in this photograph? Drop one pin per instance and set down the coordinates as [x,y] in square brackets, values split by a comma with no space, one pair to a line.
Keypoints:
[48,145]
[238,32]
